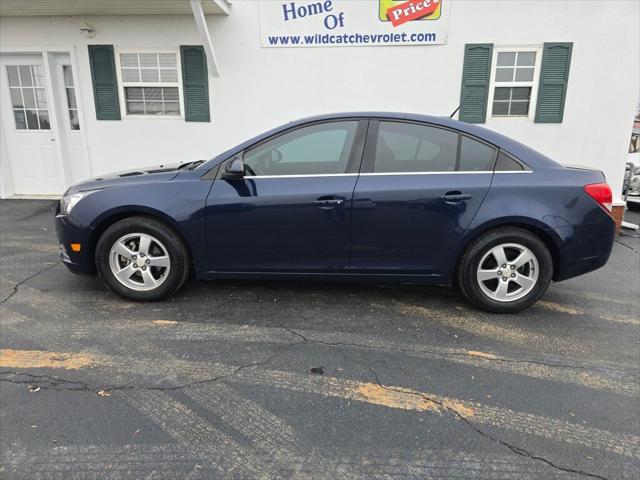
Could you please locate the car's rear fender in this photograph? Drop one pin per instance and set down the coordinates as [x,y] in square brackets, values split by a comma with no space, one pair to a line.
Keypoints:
[551,203]
[549,236]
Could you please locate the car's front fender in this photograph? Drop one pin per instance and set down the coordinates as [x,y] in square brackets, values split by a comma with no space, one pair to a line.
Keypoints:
[179,203]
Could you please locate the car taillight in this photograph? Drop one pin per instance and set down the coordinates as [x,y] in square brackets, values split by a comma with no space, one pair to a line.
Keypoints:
[602,194]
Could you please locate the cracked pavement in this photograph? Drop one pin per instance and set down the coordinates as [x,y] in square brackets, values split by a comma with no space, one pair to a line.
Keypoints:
[310,380]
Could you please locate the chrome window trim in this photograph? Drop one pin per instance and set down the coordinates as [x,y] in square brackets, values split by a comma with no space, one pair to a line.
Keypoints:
[311,175]
[478,172]
[384,173]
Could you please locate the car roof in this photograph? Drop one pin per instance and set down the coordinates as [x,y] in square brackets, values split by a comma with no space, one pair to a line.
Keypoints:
[529,156]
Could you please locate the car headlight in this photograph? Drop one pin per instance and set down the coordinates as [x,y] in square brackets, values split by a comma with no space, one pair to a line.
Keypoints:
[69,201]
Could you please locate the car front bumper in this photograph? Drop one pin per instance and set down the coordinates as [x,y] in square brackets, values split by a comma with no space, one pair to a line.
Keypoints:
[67,232]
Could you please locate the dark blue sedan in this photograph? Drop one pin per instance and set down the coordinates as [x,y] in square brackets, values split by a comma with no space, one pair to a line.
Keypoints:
[378,197]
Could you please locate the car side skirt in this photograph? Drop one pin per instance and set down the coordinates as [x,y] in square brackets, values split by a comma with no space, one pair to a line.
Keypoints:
[421,279]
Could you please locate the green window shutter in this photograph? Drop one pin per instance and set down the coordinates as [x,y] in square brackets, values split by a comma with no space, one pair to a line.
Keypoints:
[105,85]
[195,83]
[476,75]
[554,76]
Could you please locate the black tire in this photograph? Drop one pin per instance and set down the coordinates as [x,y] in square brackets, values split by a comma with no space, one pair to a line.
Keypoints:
[467,275]
[178,253]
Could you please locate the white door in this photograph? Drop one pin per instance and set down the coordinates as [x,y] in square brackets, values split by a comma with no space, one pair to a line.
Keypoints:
[28,130]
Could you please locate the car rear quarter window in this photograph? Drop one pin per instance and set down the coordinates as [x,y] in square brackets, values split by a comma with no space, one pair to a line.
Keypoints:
[475,156]
[311,150]
[409,147]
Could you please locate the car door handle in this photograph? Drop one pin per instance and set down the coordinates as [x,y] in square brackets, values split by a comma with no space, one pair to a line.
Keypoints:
[455,197]
[328,203]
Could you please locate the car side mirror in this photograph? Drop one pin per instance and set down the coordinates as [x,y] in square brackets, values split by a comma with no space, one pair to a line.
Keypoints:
[234,170]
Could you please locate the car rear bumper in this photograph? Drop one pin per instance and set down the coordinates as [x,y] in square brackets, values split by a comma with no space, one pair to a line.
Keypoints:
[67,232]
[582,266]
[585,248]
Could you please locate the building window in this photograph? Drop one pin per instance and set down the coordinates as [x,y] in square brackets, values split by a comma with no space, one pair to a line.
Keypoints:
[150,83]
[70,90]
[514,82]
[28,97]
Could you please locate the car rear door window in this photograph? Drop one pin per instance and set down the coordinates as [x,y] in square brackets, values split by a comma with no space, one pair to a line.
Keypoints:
[475,156]
[410,148]
[404,147]
[507,164]
[317,149]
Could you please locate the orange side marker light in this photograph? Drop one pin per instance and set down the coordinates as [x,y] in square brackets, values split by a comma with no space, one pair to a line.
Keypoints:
[75,247]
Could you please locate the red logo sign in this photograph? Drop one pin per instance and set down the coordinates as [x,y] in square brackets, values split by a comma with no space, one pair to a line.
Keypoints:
[411,10]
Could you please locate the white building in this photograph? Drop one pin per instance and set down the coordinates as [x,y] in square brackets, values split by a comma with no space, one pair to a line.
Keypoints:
[90,87]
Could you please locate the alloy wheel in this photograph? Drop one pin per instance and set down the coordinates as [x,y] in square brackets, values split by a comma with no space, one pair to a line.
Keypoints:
[139,261]
[507,272]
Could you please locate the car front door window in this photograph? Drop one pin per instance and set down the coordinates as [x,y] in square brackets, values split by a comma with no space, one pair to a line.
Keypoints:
[320,149]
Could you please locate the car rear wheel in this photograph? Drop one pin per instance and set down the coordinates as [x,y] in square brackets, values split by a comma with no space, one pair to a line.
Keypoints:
[142,259]
[505,270]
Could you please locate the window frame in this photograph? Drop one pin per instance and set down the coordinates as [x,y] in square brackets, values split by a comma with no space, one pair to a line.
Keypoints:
[368,162]
[122,84]
[534,83]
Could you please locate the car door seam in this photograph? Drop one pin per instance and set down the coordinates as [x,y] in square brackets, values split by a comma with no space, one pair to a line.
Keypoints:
[353,193]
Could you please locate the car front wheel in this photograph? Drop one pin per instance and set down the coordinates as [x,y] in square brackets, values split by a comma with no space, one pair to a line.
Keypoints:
[142,259]
[505,270]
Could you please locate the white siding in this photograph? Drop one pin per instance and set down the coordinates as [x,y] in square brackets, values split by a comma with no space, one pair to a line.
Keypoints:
[263,87]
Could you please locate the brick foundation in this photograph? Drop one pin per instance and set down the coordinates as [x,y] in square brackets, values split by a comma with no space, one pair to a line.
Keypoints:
[618,213]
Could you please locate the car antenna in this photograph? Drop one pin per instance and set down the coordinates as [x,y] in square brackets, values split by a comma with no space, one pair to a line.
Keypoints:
[458,108]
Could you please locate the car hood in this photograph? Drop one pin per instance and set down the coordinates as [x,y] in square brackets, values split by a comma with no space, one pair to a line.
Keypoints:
[161,173]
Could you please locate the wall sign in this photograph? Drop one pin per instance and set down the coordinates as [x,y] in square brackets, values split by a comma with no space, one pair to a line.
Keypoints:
[343,23]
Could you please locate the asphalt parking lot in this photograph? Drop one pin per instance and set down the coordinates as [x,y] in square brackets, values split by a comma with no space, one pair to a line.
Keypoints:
[310,380]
